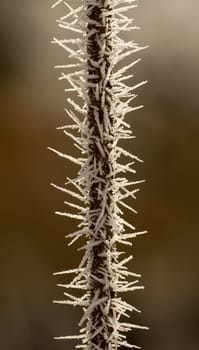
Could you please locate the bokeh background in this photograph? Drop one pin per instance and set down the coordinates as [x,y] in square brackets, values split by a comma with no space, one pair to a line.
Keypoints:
[32,237]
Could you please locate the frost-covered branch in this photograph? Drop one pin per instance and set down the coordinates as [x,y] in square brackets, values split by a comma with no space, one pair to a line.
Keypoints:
[97,127]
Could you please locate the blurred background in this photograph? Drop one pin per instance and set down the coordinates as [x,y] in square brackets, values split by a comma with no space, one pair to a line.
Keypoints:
[32,237]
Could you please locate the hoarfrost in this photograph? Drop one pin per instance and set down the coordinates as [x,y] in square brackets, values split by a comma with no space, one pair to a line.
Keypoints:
[99,123]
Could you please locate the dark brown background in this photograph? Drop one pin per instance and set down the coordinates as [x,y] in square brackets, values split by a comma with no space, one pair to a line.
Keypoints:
[32,237]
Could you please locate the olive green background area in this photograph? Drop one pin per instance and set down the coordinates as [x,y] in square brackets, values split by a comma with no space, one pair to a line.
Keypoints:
[32,237]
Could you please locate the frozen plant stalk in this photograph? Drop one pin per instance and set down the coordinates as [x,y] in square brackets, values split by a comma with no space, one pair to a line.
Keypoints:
[97,127]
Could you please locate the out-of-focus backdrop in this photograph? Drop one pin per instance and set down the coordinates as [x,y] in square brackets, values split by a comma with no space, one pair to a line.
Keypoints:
[32,237]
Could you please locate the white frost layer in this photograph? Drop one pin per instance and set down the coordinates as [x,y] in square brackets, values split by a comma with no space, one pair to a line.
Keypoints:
[112,190]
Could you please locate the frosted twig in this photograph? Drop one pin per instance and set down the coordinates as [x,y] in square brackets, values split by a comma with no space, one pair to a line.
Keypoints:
[95,50]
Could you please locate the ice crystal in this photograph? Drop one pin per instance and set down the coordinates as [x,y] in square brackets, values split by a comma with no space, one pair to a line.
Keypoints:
[97,127]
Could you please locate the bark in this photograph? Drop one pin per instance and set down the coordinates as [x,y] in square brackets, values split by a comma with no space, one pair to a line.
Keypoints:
[99,109]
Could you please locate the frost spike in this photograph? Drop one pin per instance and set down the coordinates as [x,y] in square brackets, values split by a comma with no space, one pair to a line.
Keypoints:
[56,3]
[73,194]
[74,205]
[67,271]
[66,156]
[69,215]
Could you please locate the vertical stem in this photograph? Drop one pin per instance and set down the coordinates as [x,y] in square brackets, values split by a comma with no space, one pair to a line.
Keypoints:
[100,125]
[101,274]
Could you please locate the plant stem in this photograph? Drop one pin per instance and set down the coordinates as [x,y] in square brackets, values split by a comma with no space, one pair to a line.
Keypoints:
[100,147]
[97,127]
